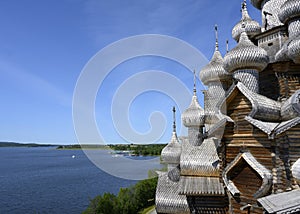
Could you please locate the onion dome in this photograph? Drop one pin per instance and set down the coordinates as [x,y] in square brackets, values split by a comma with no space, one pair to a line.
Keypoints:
[294,50]
[296,170]
[194,114]
[289,10]
[171,153]
[252,27]
[257,3]
[245,56]
[214,70]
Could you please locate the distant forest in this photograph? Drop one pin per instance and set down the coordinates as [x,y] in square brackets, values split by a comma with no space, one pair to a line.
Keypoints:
[13,144]
[139,149]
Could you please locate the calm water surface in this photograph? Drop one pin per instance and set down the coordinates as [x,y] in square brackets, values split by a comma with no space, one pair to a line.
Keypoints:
[46,180]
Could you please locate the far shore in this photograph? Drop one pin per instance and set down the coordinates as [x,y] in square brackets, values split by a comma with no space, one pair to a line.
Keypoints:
[87,146]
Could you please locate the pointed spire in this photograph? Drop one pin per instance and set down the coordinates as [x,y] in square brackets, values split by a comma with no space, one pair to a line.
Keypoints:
[216,32]
[243,26]
[245,14]
[194,90]
[174,119]
[227,47]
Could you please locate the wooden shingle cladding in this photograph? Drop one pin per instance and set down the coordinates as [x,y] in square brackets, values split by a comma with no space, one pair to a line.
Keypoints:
[287,202]
[205,186]
[167,198]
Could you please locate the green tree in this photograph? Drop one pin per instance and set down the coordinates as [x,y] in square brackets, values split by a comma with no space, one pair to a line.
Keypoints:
[102,205]
[144,192]
[126,202]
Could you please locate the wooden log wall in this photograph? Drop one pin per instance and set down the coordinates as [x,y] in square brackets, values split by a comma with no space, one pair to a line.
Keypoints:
[288,75]
[243,136]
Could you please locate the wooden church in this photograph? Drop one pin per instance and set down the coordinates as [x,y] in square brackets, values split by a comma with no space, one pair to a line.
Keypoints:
[242,151]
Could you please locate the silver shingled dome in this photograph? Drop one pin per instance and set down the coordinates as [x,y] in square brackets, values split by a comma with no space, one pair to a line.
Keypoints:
[245,56]
[194,114]
[252,27]
[171,153]
[214,70]
[289,10]
[294,50]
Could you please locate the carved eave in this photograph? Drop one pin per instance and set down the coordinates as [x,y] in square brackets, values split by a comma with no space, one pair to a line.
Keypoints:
[167,198]
[263,108]
[273,129]
[286,125]
[266,127]
[217,129]
[291,107]
[264,173]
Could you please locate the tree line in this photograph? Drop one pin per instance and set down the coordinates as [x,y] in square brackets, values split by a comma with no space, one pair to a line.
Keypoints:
[129,200]
[139,149]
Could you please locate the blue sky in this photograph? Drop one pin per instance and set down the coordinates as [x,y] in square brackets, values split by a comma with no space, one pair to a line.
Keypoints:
[46,44]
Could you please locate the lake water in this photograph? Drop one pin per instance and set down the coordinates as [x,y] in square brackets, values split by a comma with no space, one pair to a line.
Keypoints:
[46,180]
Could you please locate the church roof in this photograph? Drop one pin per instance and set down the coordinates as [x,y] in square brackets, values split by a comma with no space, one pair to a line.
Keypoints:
[263,108]
[199,160]
[252,27]
[245,55]
[289,10]
[167,198]
[287,202]
[204,186]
